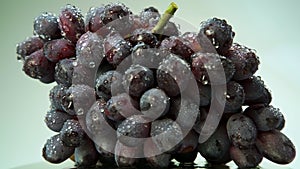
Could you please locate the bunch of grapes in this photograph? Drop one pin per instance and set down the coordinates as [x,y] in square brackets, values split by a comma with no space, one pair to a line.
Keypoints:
[131,90]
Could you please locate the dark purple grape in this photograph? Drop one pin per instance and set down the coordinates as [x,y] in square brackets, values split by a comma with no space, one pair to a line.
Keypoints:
[266,118]
[81,95]
[105,157]
[37,66]
[185,112]
[216,148]
[276,147]
[177,46]
[241,130]
[154,157]
[281,124]
[132,129]
[72,133]
[145,56]
[109,83]
[86,154]
[120,106]
[245,158]
[201,118]
[166,135]
[172,75]
[64,72]
[265,98]
[204,93]
[154,103]
[124,155]
[55,119]
[149,15]
[189,143]
[114,11]
[219,32]
[28,46]
[253,87]
[143,36]
[137,79]
[56,95]
[71,22]
[244,59]
[188,157]
[46,26]
[59,49]
[235,97]
[116,48]
[93,20]
[215,64]
[89,50]
[55,151]
[192,41]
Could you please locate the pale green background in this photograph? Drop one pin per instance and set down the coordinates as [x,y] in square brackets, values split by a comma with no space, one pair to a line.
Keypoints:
[271,27]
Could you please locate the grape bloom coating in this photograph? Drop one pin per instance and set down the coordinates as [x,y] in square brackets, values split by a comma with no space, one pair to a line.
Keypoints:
[140,115]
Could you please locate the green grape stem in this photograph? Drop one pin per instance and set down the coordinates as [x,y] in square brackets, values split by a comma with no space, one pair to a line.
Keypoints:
[165,18]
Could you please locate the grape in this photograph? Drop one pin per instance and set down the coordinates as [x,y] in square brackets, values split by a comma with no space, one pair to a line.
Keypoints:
[108,83]
[72,133]
[154,103]
[241,130]
[71,22]
[59,49]
[55,151]
[46,26]
[219,33]
[149,15]
[185,112]
[276,146]
[177,46]
[172,76]
[143,36]
[192,41]
[205,94]
[166,134]
[57,93]
[215,64]
[162,160]
[116,48]
[78,94]
[131,128]
[254,88]
[114,11]
[64,72]
[189,143]
[119,107]
[86,154]
[235,97]
[55,119]
[137,79]
[93,19]
[216,148]
[265,98]
[245,158]
[266,118]
[123,153]
[28,46]
[37,66]
[244,59]
[89,50]
[188,157]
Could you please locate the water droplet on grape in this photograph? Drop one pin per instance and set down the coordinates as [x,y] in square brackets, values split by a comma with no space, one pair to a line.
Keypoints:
[80,111]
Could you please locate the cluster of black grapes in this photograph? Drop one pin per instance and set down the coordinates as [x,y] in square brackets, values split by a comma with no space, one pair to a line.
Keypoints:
[248,130]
